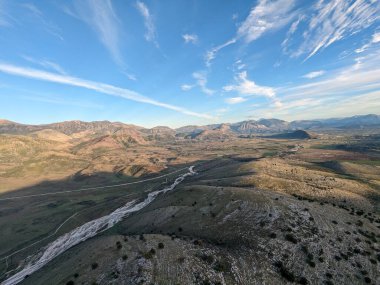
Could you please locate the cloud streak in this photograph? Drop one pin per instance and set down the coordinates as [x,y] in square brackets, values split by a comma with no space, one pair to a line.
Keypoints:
[101,17]
[92,85]
[334,20]
[190,38]
[235,100]
[266,16]
[314,74]
[150,34]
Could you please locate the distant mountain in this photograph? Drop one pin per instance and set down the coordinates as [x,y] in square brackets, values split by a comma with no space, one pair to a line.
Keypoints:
[221,132]
[299,135]
[140,135]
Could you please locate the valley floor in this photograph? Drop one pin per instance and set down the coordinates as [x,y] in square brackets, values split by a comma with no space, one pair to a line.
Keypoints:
[259,211]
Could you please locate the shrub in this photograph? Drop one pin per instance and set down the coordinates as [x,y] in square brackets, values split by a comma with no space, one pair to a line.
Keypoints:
[160,245]
[207,258]
[94,265]
[272,235]
[71,282]
[303,281]
[149,254]
[124,257]
[222,265]
[291,238]
[367,280]
[76,275]
[119,245]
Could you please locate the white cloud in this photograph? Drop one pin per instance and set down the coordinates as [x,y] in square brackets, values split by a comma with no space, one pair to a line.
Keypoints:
[247,87]
[92,85]
[186,87]
[211,54]
[362,76]
[48,26]
[100,16]
[375,39]
[314,74]
[190,38]
[150,34]
[334,20]
[47,64]
[264,17]
[201,81]
[5,19]
[235,100]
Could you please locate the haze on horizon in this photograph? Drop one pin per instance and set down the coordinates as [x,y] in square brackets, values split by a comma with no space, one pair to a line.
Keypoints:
[177,63]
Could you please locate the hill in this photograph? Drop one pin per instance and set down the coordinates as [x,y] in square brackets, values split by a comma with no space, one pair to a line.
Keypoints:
[299,135]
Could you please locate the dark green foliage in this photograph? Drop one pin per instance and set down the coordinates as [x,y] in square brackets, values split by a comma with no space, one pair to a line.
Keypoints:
[71,282]
[94,265]
[160,245]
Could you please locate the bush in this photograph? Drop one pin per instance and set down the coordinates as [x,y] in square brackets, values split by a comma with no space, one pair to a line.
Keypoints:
[160,245]
[222,265]
[119,245]
[94,265]
[272,235]
[291,238]
[207,258]
[303,281]
[124,257]
[71,282]
[149,254]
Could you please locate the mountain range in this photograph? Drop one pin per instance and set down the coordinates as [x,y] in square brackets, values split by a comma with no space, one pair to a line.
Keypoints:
[137,134]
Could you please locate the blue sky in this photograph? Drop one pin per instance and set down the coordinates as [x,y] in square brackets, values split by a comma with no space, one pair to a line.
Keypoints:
[188,62]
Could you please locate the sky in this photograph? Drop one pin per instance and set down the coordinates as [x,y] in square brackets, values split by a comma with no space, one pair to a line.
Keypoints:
[185,62]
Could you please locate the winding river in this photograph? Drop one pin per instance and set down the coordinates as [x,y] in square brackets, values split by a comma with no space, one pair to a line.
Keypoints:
[86,231]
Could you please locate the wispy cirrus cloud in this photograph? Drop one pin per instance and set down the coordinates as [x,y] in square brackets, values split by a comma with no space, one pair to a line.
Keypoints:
[190,38]
[374,40]
[47,64]
[349,90]
[200,81]
[265,17]
[92,85]
[334,20]
[101,17]
[5,19]
[150,34]
[187,87]
[235,100]
[314,74]
[47,25]
[211,54]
